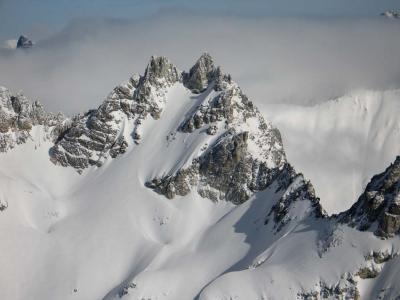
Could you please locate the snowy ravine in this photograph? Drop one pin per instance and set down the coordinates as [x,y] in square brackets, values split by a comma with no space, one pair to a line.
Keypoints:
[175,187]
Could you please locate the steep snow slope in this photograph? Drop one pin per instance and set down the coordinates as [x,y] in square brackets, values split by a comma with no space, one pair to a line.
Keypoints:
[340,144]
[100,233]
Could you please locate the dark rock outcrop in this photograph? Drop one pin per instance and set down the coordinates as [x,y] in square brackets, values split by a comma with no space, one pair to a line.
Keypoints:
[201,74]
[378,208]
[3,205]
[227,171]
[24,42]
[295,188]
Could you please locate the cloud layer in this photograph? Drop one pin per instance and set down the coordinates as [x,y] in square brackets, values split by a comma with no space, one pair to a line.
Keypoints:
[289,60]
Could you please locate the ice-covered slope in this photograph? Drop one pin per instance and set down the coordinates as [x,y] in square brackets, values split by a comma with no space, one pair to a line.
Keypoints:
[199,204]
[340,144]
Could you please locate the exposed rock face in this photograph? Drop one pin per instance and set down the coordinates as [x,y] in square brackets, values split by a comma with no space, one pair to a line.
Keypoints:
[230,106]
[24,42]
[3,205]
[296,188]
[201,74]
[247,153]
[150,92]
[226,171]
[345,288]
[378,208]
[93,136]
[17,117]
[99,134]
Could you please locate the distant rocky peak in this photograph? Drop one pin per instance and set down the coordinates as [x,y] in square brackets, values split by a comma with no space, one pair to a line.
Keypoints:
[24,42]
[391,14]
[378,208]
[160,68]
[201,74]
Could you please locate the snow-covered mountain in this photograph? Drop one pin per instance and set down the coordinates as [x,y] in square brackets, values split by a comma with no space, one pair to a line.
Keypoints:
[176,187]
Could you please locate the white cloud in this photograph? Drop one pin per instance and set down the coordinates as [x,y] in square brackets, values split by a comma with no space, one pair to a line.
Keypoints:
[9,44]
[273,59]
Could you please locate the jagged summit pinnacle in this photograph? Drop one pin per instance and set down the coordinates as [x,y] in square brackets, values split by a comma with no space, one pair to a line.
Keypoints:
[201,73]
[159,67]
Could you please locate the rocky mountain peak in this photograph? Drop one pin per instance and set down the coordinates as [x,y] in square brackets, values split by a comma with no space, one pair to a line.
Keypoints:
[160,68]
[201,73]
[378,208]
[242,153]
[24,42]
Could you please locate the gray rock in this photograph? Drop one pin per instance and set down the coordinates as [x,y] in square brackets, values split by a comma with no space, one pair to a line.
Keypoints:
[3,205]
[345,288]
[201,74]
[24,42]
[97,135]
[367,273]
[378,208]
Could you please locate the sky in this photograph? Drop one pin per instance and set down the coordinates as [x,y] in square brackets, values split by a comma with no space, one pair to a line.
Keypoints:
[41,18]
